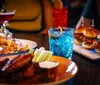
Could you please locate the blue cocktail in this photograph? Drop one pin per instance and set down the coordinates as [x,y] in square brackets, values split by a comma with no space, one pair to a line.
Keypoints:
[61,43]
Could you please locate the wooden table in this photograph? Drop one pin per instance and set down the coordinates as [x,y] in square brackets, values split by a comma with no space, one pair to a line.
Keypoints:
[88,71]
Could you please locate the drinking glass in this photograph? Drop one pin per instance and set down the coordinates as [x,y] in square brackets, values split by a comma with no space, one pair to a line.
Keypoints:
[61,42]
[60,17]
[5,17]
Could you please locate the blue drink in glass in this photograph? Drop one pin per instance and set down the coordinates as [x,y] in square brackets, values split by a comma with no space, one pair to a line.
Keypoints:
[61,43]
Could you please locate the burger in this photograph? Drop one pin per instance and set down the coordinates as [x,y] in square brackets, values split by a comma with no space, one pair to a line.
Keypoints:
[78,35]
[96,44]
[90,37]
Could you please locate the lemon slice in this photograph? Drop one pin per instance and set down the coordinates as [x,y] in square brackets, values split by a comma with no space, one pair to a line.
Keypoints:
[48,56]
[58,4]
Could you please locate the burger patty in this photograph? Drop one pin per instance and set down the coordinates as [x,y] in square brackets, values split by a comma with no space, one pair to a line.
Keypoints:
[96,44]
[89,40]
[79,37]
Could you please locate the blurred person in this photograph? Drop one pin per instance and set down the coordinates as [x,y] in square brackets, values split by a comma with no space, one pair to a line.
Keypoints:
[48,12]
[31,15]
[91,12]
[48,15]
[58,3]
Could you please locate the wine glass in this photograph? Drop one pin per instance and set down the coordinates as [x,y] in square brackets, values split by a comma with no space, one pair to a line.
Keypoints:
[4,18]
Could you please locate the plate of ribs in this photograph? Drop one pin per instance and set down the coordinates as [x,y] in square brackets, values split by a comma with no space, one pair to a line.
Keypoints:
[22,71]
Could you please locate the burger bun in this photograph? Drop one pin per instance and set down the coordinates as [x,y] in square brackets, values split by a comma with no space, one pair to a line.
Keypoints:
[77,42]
[81,30]
[91,32]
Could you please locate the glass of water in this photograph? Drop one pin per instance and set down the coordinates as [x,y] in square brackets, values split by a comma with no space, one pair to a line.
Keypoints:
[61,41]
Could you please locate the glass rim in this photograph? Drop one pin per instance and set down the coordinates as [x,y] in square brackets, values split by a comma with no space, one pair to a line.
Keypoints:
[63,28]
[51,32]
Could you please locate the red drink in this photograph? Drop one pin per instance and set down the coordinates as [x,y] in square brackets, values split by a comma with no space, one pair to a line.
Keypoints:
[4,17]
[60,17]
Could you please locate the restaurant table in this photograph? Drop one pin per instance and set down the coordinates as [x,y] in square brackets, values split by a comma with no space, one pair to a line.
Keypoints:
[88,70]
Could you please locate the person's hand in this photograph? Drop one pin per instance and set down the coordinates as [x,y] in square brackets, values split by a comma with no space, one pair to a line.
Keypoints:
[87,22]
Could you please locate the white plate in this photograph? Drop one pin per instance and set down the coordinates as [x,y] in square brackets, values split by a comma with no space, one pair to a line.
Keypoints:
[91,54]
[31,44]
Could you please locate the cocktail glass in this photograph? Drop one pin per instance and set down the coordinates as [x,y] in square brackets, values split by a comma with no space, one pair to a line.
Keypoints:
[61,42]
[60,17]
[5,17]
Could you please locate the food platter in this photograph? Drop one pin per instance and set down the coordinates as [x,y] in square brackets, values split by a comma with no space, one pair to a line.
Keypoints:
[90,54]
[31,45]
[66,70]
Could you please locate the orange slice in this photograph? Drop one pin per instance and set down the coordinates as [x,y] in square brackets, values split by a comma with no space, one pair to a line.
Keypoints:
[53,36]
[58,4]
